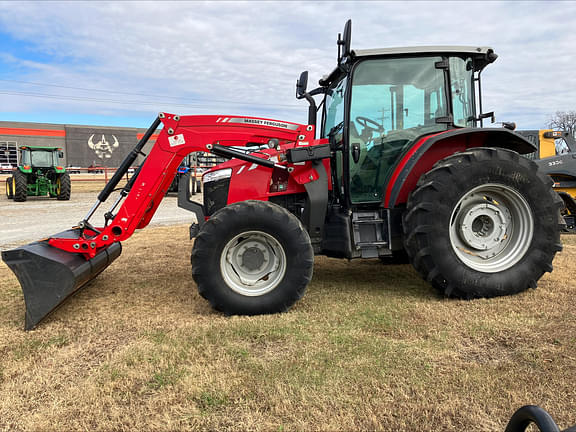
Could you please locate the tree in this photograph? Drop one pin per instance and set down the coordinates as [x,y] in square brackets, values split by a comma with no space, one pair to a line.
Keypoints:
[565,121]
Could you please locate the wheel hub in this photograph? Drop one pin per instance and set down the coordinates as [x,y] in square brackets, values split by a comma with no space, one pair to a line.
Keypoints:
[253,263]
[484,225]
[491,228]
[252,258]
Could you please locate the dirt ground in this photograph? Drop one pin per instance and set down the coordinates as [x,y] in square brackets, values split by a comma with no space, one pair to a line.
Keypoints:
[369,347]
[39,217]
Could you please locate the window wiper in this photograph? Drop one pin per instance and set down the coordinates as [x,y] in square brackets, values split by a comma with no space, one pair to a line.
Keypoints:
[336,129]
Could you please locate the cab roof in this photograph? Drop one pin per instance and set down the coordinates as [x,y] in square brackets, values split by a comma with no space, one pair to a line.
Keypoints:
[482,56]
[47,148]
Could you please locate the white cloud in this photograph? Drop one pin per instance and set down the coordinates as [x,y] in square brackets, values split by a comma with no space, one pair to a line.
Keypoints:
[253,52]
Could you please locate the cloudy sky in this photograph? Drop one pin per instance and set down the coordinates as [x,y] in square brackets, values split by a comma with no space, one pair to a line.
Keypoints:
[119,63]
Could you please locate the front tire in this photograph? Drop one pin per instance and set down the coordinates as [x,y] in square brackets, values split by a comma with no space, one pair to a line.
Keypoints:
[252,258]
[483,223]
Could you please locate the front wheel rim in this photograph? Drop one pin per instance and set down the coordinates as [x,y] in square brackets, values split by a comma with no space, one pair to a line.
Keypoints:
[253,263]
[491,228]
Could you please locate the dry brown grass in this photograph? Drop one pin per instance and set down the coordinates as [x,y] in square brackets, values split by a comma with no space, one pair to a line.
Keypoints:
[370,347]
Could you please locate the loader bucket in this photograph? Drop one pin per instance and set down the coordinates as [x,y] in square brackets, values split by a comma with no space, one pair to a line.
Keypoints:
[48,276]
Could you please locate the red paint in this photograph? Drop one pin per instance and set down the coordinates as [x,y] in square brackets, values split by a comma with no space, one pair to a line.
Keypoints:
[153,138]
[33,132]
[402,164]
[438,151]
[191,134]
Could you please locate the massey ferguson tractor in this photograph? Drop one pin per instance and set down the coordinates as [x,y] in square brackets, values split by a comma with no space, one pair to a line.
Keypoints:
[398,166]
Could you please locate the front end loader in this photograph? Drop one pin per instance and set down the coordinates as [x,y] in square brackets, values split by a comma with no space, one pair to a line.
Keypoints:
[398,167]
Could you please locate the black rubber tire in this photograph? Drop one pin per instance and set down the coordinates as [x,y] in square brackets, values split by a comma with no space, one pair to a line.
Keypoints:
[429,209]
[21,186]
[65,187]
[246,216]
[9,192]
[397,258]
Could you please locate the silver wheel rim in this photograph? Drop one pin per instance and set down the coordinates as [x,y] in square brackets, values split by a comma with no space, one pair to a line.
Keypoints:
[491,228]
[253,263]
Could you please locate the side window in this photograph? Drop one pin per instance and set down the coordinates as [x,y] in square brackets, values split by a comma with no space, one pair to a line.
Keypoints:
[334,107]
[461,76]
[561,146]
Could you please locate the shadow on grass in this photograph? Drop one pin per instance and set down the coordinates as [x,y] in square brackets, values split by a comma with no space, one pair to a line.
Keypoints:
[370,276]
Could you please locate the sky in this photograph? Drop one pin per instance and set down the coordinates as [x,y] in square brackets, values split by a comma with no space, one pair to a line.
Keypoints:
[120,63]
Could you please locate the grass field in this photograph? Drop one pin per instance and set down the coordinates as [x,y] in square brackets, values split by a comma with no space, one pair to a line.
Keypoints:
[369,347]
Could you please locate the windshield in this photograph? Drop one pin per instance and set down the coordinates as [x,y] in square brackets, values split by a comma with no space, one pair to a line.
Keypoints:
[43,159]
[394,101]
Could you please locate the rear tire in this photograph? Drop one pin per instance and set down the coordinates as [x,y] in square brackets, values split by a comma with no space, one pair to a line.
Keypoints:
[9,191]
[20,186]
[64,187]
[252,258]
[483,223]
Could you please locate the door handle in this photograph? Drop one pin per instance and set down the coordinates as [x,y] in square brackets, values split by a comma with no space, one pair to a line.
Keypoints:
[355,152]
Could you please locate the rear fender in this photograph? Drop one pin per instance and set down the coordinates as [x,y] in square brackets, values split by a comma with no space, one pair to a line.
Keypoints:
[428,150]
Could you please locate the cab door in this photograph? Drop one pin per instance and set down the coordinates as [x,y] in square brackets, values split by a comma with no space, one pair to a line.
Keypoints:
[393,102]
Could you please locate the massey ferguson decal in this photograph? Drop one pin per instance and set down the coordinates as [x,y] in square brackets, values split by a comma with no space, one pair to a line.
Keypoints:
[103,148]
[259,122]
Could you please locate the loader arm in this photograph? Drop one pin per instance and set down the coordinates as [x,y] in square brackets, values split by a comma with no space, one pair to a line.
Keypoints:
[53,269]
[179,137]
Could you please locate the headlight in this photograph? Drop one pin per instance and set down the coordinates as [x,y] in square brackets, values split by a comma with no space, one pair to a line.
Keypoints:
[217,175]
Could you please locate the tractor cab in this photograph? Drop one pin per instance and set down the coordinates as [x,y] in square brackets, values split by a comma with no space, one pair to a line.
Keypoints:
[379,102]
[41,158]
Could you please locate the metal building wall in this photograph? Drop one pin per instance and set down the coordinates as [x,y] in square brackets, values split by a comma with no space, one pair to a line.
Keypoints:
[83,145]
[33,134]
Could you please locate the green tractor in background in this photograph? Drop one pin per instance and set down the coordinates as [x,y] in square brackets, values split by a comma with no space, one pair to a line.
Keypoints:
[39,173]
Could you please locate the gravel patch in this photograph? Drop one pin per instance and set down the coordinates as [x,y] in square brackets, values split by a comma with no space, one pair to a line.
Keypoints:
[40,217]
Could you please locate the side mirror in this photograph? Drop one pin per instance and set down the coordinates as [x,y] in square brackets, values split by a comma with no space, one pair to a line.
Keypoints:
[301,85]
[61,155]
[345,41]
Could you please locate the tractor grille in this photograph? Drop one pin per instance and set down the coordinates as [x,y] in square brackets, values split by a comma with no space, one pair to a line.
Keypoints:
[215,195]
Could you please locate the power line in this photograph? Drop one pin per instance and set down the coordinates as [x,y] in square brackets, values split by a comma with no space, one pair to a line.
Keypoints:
[113,101]
[147,95]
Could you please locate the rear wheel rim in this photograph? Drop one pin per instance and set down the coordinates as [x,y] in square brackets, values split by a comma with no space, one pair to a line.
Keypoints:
[253,263]
[491,228]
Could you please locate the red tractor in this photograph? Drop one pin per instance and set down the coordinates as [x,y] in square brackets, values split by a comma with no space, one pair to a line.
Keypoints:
[397,168]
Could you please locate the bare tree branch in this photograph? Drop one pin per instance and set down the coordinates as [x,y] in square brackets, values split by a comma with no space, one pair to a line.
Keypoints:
[565,121]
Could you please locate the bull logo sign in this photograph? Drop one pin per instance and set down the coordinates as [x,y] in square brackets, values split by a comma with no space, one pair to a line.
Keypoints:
[103,148]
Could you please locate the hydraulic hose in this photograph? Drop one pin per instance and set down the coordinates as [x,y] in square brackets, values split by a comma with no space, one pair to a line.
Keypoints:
[127,162]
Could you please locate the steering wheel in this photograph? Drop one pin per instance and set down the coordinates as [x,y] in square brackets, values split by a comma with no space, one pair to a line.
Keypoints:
[369,123]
